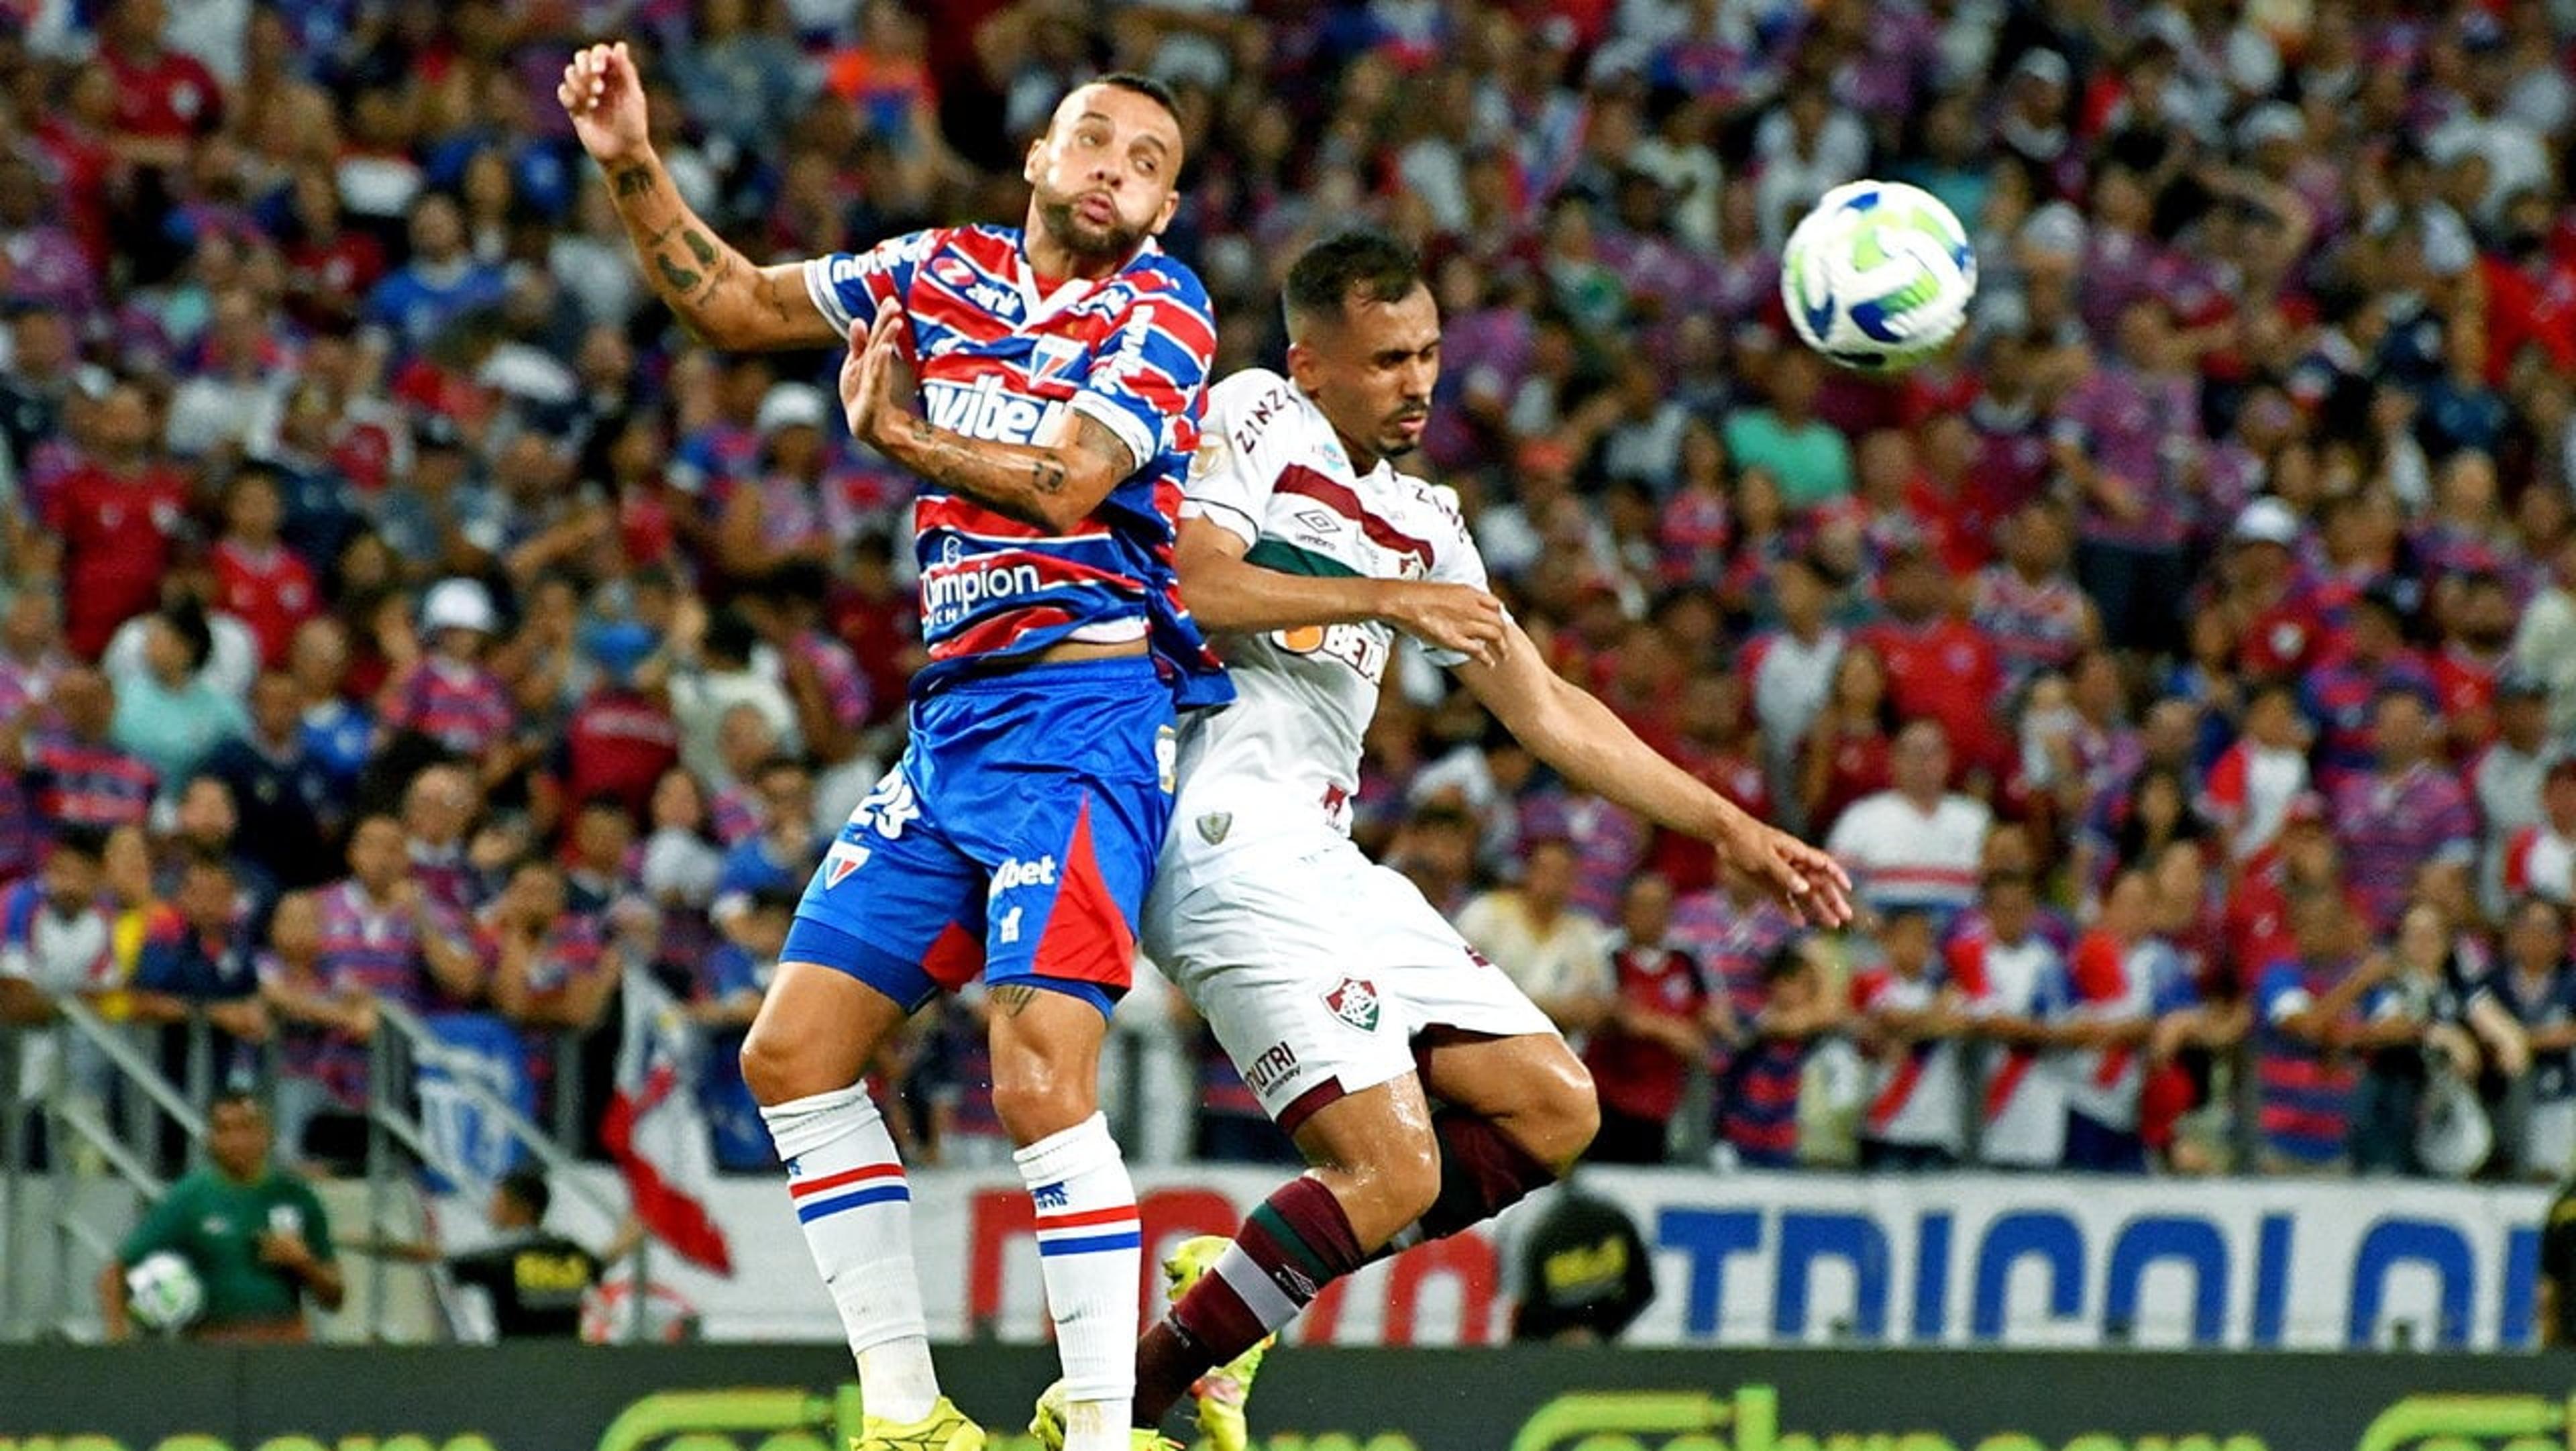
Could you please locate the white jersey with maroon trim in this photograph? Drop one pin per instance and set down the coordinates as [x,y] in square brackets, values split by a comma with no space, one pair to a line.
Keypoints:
[1284,759]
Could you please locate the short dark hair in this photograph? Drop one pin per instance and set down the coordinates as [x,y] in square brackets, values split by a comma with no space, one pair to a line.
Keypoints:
[1379,267]
[528,1186]
[81,841]
[1146,86]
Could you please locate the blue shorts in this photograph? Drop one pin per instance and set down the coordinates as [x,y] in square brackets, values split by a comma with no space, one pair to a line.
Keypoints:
[1015,838]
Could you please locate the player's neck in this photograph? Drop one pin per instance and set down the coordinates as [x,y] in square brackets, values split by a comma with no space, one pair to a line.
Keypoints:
[1364,459]
[1052,263]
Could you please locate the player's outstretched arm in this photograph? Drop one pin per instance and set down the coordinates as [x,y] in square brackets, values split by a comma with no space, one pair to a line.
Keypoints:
[711,287]
[1049,486]
[1228,593]
[1566,727]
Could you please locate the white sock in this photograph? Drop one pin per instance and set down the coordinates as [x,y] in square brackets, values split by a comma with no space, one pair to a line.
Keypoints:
[1090,1254]
[856,1210]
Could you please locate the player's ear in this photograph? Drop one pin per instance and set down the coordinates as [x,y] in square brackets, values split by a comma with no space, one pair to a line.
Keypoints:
[1301,366]
[1171,208]
[1034,163]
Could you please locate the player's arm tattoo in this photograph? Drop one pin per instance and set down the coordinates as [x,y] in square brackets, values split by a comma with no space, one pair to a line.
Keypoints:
[708,284]
[1049,488]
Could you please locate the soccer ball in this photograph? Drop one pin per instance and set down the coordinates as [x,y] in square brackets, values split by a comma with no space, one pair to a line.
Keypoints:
[1877,278]
[164,1292]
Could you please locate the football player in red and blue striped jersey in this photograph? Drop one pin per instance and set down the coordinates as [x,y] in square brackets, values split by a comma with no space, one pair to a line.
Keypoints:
[1055,377]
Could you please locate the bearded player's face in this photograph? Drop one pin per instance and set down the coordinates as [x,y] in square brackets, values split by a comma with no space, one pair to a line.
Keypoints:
[1371,369]
[1105,172]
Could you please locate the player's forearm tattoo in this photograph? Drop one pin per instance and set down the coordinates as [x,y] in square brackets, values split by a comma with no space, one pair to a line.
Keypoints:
[632,180]
[682,280]
[1016,480]
[700,248]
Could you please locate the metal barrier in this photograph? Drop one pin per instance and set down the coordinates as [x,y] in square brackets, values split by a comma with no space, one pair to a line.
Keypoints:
[105,1106]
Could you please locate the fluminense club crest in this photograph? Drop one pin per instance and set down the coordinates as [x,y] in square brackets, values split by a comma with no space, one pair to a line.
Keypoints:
[1354,1002]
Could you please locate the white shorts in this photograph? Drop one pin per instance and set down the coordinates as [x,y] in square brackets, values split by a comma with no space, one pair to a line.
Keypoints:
[1316,968]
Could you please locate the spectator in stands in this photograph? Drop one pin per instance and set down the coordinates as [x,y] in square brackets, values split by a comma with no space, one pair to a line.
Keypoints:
[438,812]
[449,695]
[1916,844]
[2536,986]
[1790,669]
[169,715]
[2508,776]
[2417,1026]
[552,970]
[1939,666]
[121,517]
[288,801]
[76,775]
[205,823]
[339,733]
[2028,604]
[1758,1117]
[787,846]
[257,578]
[620,738]
[319,1021]
[200,955]
[2123,979]
[2013,983]
[442,283]
[254,1233]
[383,935]
[1656,1034]
[53,934]
[2404,812]
[2248,792]
[1810,459]
[2544,642]
[1846,755]
[1909,1020]
[2540,859]
[2343,691]
[1556,952]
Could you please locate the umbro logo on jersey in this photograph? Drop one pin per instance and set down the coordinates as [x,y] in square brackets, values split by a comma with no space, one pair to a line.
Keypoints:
[1319,521]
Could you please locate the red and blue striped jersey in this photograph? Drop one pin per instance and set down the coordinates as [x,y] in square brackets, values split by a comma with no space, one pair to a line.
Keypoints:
[997,358]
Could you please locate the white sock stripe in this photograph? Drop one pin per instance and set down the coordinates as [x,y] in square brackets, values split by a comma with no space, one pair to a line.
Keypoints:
[1261,1295]
[1078,1150]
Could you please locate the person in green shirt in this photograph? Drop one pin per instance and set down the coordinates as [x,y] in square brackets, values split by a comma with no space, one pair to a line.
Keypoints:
[255,1235]
[1809,458]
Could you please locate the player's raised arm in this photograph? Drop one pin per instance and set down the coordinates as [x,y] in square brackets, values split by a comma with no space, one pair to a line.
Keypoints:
[711,287]
[1227,592]
[1563,725]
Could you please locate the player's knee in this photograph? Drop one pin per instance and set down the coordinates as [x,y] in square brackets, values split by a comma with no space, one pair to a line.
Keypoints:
[777,1069]
[1407,1173]
[1035,1096]
[1567,1114]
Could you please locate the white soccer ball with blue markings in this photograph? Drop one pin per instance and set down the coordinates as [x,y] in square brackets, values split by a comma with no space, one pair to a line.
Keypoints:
[1878,277]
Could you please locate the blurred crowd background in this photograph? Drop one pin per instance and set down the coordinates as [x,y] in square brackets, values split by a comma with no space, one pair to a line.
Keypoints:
[398,608]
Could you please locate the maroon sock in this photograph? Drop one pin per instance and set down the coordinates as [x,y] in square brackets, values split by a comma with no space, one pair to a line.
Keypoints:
[1296,1243]
[1482,1173]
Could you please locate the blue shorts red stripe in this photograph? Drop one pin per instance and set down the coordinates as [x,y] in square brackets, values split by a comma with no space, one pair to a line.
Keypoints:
[1015,838]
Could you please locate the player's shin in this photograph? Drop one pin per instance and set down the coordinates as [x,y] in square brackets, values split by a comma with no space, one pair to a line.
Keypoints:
[1090,1255]
[855,1208]
[1296,1243]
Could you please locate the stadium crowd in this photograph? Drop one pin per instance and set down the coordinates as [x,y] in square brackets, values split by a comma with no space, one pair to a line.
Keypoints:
[399,608]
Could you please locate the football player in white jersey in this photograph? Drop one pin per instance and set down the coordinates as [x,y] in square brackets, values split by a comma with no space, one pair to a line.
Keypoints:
[1348,1003]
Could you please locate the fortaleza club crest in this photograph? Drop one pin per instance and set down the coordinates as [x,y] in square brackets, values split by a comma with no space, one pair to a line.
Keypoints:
[1355,1003]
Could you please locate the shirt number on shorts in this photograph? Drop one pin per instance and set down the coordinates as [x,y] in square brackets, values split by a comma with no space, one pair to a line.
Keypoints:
[889,805]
